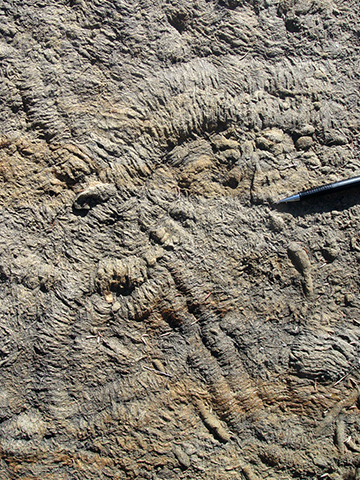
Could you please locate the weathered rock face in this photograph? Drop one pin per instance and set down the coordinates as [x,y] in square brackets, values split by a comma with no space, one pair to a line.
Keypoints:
[159,316]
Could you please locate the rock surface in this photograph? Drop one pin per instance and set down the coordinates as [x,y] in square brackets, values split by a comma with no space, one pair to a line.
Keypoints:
[160,316]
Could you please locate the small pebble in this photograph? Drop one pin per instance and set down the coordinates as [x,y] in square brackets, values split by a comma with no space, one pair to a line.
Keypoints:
[116,307]
[158,365]
[223,143]
[299,257]
[332,137]
[274,135]
[263,143]
[304,143]
[321,461]
[93,195]
[233,178]
[311,159]
[181,456]
[330,253]
[307,130]
[349,299]
[109,297]
[276,222]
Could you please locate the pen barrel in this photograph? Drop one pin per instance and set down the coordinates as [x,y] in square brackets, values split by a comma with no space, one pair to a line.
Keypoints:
[331,187]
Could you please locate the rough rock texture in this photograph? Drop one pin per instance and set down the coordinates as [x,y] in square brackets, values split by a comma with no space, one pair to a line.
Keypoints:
[160,316]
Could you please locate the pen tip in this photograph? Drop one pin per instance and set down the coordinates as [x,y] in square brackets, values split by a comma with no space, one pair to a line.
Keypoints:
[293,198]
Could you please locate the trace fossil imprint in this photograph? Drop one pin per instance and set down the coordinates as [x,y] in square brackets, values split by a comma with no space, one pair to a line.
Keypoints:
[160,315]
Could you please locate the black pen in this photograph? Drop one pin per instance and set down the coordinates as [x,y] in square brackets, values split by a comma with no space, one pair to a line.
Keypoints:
[322,190]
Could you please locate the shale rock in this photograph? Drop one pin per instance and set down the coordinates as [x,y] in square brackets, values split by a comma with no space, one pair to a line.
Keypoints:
[160,316]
